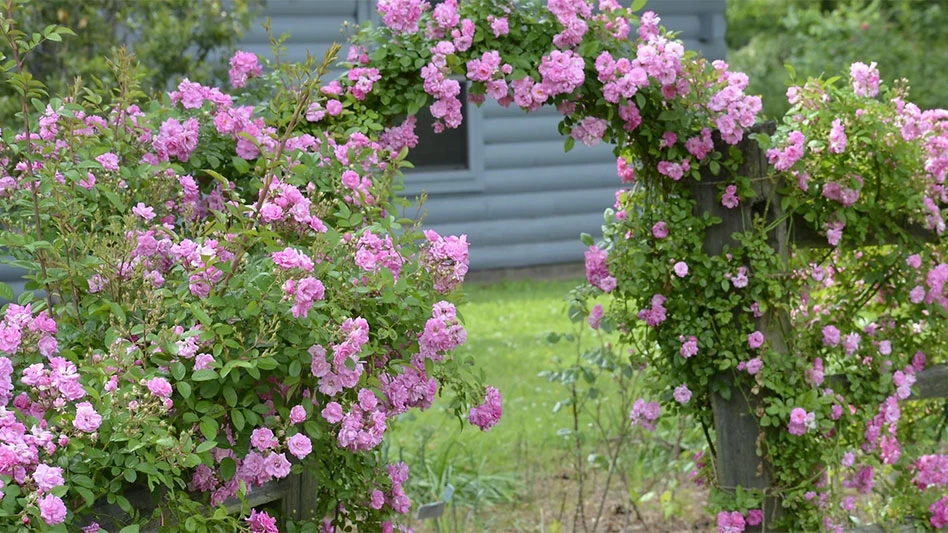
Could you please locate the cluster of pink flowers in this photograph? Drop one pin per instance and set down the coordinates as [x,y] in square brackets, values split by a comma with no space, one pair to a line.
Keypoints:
[645,414]
[682,394]
[54,387]
[939,511]
[402,16]
[397,138]
[291,258]
[498,25]
[597,269]
[752,366]
[730,522]
[936,279]
[735,522]
[625,170]
[621,79]
[561,73]
[673,170]
[443,332]
[336,375]
[589,130]
[700,145]
[931,471]
[736,110]
[595,316]
[487,414]
[358,188]
[570,14]
[192,95]
[409,389]
[837,137]
[374,253]
[801,421]
[446,108]
[730,198]
[363,79]
[485,69]
[446,259]
[783,159]
[397,499]
[689,346]
[261,465]
[243,66]
[261,522]
[844,195]
[176,140]
[304,292]
[656,314]
[363,427]
[444,18]
[865,79]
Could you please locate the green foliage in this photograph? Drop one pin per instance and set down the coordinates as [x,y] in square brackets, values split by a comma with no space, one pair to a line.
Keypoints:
[178,360]
[170,39]
[905,38]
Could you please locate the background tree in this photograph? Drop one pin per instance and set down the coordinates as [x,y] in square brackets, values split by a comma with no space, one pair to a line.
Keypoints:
[170,38]
[905,37]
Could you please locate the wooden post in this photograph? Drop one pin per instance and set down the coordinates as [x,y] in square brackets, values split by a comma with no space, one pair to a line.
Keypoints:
[735,418]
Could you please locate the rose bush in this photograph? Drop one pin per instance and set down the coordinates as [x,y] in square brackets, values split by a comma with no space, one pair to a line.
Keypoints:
[221,295]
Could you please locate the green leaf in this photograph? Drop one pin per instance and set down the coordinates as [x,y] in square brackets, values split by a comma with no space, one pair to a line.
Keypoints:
[228,468]
[134,528]
[230,396]
[114,200]
[178,371]
[6,292]
[184,389]
[569,144]
[267,363]
[237,417]
[86,494]
[205,374]
[637,5]
[206,446]
[202,315]
[209,428]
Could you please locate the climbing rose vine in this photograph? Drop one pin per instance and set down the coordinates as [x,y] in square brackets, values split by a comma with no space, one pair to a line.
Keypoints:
[856,171]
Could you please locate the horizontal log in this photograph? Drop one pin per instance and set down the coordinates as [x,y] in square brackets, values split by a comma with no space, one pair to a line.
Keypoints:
[930,383]
[802,234]
[876,528]
[145,502]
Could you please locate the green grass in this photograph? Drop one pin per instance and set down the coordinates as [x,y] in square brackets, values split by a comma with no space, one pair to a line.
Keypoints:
[518,476]
[507,324]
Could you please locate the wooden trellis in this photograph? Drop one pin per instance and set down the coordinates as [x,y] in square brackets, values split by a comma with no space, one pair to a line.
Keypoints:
[736,423]
[294,496]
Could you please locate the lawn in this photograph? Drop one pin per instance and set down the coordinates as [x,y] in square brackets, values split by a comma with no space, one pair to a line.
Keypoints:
[518,476]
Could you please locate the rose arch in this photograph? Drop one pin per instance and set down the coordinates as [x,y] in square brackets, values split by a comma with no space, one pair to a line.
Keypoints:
[790,277]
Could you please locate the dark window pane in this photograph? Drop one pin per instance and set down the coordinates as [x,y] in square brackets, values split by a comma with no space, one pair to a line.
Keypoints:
[447,150]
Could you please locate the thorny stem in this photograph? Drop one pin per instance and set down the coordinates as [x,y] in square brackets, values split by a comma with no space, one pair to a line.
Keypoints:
[579,512]
[299,109]
[34,189]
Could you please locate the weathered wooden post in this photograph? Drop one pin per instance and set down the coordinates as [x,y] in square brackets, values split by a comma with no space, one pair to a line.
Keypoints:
[737,431]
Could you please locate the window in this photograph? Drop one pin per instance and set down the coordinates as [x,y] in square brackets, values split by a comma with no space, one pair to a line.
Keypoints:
[450,161]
